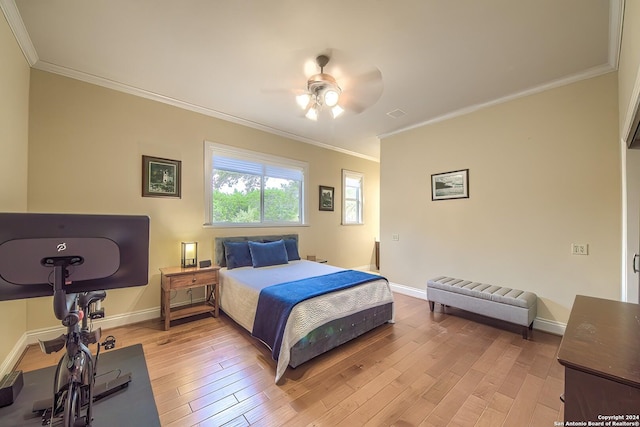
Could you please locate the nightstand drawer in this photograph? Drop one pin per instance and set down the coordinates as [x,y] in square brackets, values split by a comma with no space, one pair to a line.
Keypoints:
[200,278]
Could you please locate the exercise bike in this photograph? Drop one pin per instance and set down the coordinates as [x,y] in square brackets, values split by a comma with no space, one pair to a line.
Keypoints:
[74,382]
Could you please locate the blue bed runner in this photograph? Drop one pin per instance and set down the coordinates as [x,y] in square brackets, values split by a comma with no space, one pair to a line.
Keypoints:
[276,302]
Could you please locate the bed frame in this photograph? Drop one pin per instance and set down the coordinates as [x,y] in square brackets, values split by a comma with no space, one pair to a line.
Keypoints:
[329,335]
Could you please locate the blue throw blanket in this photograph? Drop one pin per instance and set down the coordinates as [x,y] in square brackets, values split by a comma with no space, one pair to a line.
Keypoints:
[276,302]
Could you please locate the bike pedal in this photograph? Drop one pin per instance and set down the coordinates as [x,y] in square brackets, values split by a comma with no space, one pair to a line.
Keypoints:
[98,314]
[109,342]
[10,387]
[54,345]
[46,417]
[81,422]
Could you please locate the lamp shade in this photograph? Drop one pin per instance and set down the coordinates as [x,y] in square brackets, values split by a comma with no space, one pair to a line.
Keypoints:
[303,100]
[331,97]
[312,114]
[189,254]
[336,111]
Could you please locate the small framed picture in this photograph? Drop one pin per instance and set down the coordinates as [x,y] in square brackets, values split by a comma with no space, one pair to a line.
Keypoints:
[326,198]
[450,185]
[161,177]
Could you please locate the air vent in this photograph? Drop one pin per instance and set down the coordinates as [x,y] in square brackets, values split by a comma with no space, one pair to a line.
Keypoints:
[397,113]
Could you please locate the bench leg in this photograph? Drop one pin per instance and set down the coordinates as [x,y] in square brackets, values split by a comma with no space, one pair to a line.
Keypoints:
[432,305]
[525,331]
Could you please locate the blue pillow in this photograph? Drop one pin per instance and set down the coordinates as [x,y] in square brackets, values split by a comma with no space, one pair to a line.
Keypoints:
[292,249]
[237,254]
[271,253]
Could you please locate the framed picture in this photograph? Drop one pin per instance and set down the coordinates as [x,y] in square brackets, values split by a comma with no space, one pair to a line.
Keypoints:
[326,198]
[450,185]
[161,177]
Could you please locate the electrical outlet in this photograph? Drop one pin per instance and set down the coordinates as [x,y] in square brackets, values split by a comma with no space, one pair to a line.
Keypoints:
[395,237]
[579,249]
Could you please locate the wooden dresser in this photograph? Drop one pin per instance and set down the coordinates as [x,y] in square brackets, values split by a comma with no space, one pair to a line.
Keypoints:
[600,351]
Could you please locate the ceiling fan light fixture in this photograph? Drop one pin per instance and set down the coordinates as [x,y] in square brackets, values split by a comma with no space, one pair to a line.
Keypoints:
[312,114]
[322,91]
[303,100]
[331,96]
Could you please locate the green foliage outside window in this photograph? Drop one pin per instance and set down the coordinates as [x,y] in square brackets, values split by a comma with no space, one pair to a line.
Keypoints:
[237,197]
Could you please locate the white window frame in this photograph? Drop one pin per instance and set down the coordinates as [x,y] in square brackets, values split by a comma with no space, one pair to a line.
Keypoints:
[213,148]
[360,201]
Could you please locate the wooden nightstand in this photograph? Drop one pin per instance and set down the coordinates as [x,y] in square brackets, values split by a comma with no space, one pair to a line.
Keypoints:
[174,278]
[313,258]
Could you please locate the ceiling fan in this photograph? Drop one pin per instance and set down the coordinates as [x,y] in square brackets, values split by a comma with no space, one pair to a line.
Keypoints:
[322,91]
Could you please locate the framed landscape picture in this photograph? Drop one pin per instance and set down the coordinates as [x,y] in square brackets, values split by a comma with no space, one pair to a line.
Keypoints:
[326,198]
[450,185]
[161,177]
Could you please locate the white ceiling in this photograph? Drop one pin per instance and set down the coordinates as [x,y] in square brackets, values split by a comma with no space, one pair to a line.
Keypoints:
[244,60]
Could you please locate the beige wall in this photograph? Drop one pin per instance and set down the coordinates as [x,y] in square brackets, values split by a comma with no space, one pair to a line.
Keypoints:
[627,81]
[14,116]
[544,173]
[89,140]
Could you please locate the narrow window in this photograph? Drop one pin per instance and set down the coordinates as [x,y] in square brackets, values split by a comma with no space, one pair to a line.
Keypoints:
[352,197]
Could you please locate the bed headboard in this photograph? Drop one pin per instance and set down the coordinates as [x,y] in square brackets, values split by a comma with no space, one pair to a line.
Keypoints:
[220,258]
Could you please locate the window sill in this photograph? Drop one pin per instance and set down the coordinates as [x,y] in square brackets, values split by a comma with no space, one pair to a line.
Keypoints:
[253,225]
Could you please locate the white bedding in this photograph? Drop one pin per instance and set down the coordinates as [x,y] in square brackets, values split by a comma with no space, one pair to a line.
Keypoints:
[240,290]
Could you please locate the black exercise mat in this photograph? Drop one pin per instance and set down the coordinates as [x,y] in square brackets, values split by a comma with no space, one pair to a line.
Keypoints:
[131,406]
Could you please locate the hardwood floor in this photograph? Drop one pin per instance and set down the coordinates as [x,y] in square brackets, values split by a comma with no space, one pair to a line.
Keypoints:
[427,369]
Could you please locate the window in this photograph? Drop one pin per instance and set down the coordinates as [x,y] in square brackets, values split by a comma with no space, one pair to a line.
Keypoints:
[352,197]
[250,189]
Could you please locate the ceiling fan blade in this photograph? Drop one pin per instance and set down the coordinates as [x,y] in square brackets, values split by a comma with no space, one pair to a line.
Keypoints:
[371,76]
[353,107]
[362,91]
[352,104]
[292,92]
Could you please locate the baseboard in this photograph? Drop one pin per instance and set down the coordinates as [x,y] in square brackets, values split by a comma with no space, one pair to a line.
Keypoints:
[550,326]
[109,322]
[106,323]
[14,356]
[32,337]
[367,268]
[408,290]
[544,325]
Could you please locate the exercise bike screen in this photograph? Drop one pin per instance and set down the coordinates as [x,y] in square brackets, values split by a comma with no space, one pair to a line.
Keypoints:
[29,261]
[101,252]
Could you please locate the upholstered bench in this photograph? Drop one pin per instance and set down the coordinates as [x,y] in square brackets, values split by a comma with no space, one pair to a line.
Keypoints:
[510,305]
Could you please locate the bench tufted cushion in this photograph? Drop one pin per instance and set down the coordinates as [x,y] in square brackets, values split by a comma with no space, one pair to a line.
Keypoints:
[510,305]
[482,290]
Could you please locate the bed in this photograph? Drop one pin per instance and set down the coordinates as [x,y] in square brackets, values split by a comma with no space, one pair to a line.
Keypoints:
[357,302]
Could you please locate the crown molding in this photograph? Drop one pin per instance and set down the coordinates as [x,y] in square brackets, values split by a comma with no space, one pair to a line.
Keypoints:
[120,87]
[12,14]
[587,74]
[14,20]
[16,24]
[616,17]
